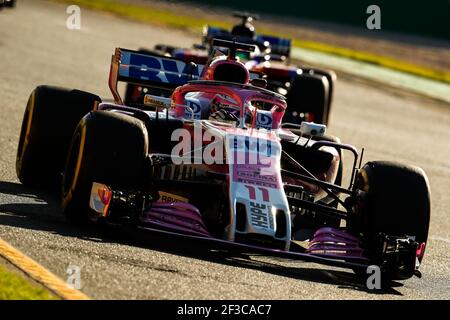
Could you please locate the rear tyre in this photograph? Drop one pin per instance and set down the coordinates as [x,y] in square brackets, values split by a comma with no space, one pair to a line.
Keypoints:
[308,95]
[109,148]
[330,138]
[331,77]
[396,203]
[318,221]
[50,118]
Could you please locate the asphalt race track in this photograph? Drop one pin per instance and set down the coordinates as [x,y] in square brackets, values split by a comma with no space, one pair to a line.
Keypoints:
[37,48]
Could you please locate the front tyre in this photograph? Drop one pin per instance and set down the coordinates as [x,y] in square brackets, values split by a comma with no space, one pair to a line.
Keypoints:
[109,148]
[395,202]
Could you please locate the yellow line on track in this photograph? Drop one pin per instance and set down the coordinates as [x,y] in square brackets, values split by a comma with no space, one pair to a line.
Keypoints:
[39,273]
[380,60]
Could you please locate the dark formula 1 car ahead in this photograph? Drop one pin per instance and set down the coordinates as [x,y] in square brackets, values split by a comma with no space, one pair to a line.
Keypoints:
[308,91]
[214,162]
[7,4]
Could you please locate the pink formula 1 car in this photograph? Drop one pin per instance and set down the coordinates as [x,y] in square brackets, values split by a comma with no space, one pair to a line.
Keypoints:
[207,155]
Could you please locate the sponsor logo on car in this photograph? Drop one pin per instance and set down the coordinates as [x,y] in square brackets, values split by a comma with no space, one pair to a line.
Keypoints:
[261,216]
[167,197]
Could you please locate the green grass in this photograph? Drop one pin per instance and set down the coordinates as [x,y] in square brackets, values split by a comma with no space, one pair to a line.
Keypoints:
[16,287]
[167,18]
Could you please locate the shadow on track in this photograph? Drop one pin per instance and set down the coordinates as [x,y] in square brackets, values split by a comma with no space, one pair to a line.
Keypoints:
[40,210]
[35,209]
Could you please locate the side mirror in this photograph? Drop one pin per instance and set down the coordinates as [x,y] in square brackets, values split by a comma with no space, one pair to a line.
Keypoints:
[260,83]
[313,129]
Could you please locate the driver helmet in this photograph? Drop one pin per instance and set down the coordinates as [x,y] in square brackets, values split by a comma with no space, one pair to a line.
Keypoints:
[246,30]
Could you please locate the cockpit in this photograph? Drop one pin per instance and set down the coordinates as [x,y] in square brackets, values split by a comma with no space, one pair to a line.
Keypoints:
[233,104]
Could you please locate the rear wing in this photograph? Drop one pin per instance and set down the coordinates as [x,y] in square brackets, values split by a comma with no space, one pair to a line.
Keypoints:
[279,46]
[211,33]
[149,70]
